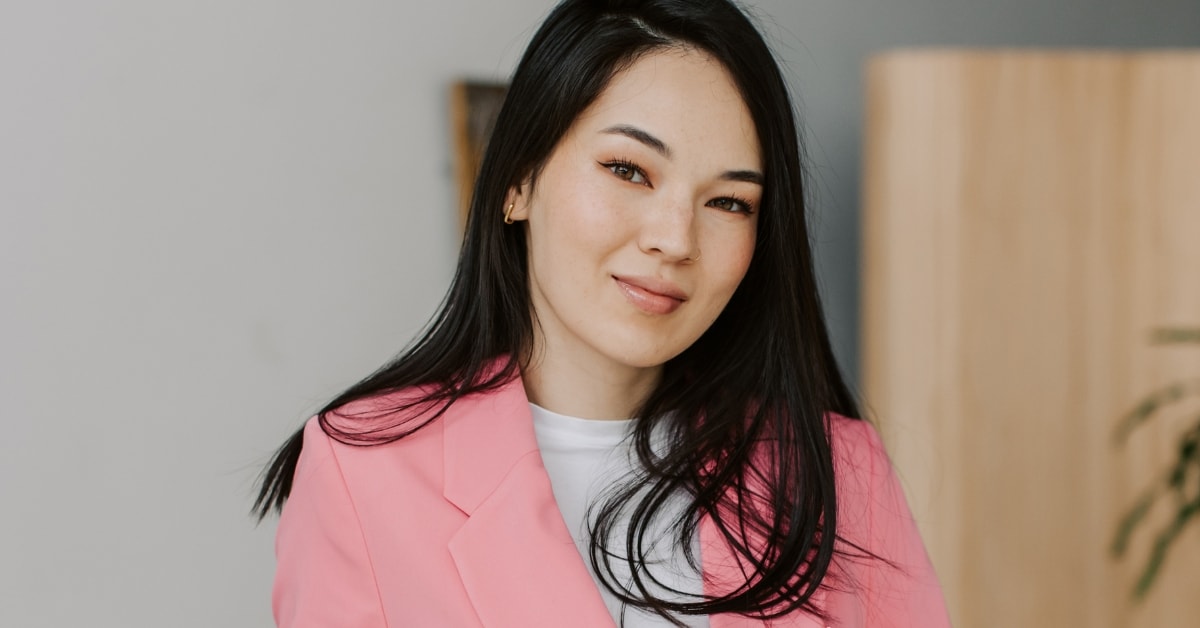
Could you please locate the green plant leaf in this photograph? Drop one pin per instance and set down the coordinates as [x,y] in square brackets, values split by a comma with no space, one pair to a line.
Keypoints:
[1175,335]
[1162,543]
[1167,395]
[1130,521]
[1189,444]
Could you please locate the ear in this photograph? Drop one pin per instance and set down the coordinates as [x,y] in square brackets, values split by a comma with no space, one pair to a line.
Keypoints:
[518,197]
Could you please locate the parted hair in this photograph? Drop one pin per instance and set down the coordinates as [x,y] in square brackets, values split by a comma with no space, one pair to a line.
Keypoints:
[749,402]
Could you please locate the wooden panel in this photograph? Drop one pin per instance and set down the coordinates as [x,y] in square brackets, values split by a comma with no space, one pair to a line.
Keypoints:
[1029,219]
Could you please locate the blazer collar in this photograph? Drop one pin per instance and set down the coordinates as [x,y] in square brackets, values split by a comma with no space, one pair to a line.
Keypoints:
[486,435]
[516,558]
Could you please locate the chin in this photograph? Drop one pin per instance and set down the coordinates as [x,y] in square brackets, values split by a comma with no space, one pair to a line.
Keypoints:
[640,362]
[643,359]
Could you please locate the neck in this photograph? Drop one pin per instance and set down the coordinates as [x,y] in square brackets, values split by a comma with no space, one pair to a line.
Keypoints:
[587,391]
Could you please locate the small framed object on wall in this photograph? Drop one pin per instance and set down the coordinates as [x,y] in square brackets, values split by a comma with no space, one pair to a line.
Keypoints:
[474,106]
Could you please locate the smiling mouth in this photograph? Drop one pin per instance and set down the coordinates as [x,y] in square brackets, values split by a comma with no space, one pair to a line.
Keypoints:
[650,299]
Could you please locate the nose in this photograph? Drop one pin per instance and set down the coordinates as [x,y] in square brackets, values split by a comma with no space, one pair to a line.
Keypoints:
[668,230]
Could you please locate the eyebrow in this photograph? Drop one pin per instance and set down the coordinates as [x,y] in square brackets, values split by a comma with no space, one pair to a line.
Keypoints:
[748,176]
[660,147]
[634,133]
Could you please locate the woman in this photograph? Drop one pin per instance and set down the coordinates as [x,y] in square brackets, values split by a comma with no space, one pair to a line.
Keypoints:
[627,409]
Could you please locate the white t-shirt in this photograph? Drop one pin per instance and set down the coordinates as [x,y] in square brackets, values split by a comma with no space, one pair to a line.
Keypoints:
[583,458]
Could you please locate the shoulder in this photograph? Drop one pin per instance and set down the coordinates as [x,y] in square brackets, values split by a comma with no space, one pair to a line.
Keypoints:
[388,445]
[866,482]
[862,473]
[859,456]
[345,540]
[853,439]
[880,546]
[376,490]
[370,440]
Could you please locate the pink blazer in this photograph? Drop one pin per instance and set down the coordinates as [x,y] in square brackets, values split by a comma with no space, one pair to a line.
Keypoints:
[456,525]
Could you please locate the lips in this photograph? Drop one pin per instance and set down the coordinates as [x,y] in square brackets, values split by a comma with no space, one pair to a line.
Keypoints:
[651,295]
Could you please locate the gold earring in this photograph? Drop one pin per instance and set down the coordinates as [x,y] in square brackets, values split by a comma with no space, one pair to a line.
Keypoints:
[508,214]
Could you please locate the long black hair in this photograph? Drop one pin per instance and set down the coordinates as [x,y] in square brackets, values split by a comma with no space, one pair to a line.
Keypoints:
[750,400]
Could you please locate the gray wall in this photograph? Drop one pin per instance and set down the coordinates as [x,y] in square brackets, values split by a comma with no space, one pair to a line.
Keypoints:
[214,215]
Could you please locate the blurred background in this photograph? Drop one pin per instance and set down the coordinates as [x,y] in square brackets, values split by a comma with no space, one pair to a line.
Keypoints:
[216,215]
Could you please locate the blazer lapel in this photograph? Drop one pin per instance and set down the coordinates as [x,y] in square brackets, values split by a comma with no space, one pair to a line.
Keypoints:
[514,554]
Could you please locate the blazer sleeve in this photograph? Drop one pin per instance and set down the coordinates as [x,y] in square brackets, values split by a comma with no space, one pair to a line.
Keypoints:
[324,576]
[901,590]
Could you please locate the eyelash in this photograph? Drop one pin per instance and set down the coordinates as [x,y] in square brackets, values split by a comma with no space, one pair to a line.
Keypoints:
[747,205]
[637,170]
[625,163]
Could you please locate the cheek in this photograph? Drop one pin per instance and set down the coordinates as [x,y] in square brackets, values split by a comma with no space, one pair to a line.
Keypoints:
[736,254]
[581,218]
[571,231]
[594,206]
[746,254]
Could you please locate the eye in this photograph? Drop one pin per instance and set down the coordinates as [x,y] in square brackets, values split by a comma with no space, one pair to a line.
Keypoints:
[628,171]
[733,205]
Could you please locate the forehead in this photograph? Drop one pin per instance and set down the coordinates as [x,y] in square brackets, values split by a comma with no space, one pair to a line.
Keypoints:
[684,97]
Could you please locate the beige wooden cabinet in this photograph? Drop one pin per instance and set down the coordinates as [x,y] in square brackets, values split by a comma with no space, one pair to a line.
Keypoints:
[1030,218]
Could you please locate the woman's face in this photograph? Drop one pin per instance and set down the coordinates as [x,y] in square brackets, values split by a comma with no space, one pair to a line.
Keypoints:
[642,222]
